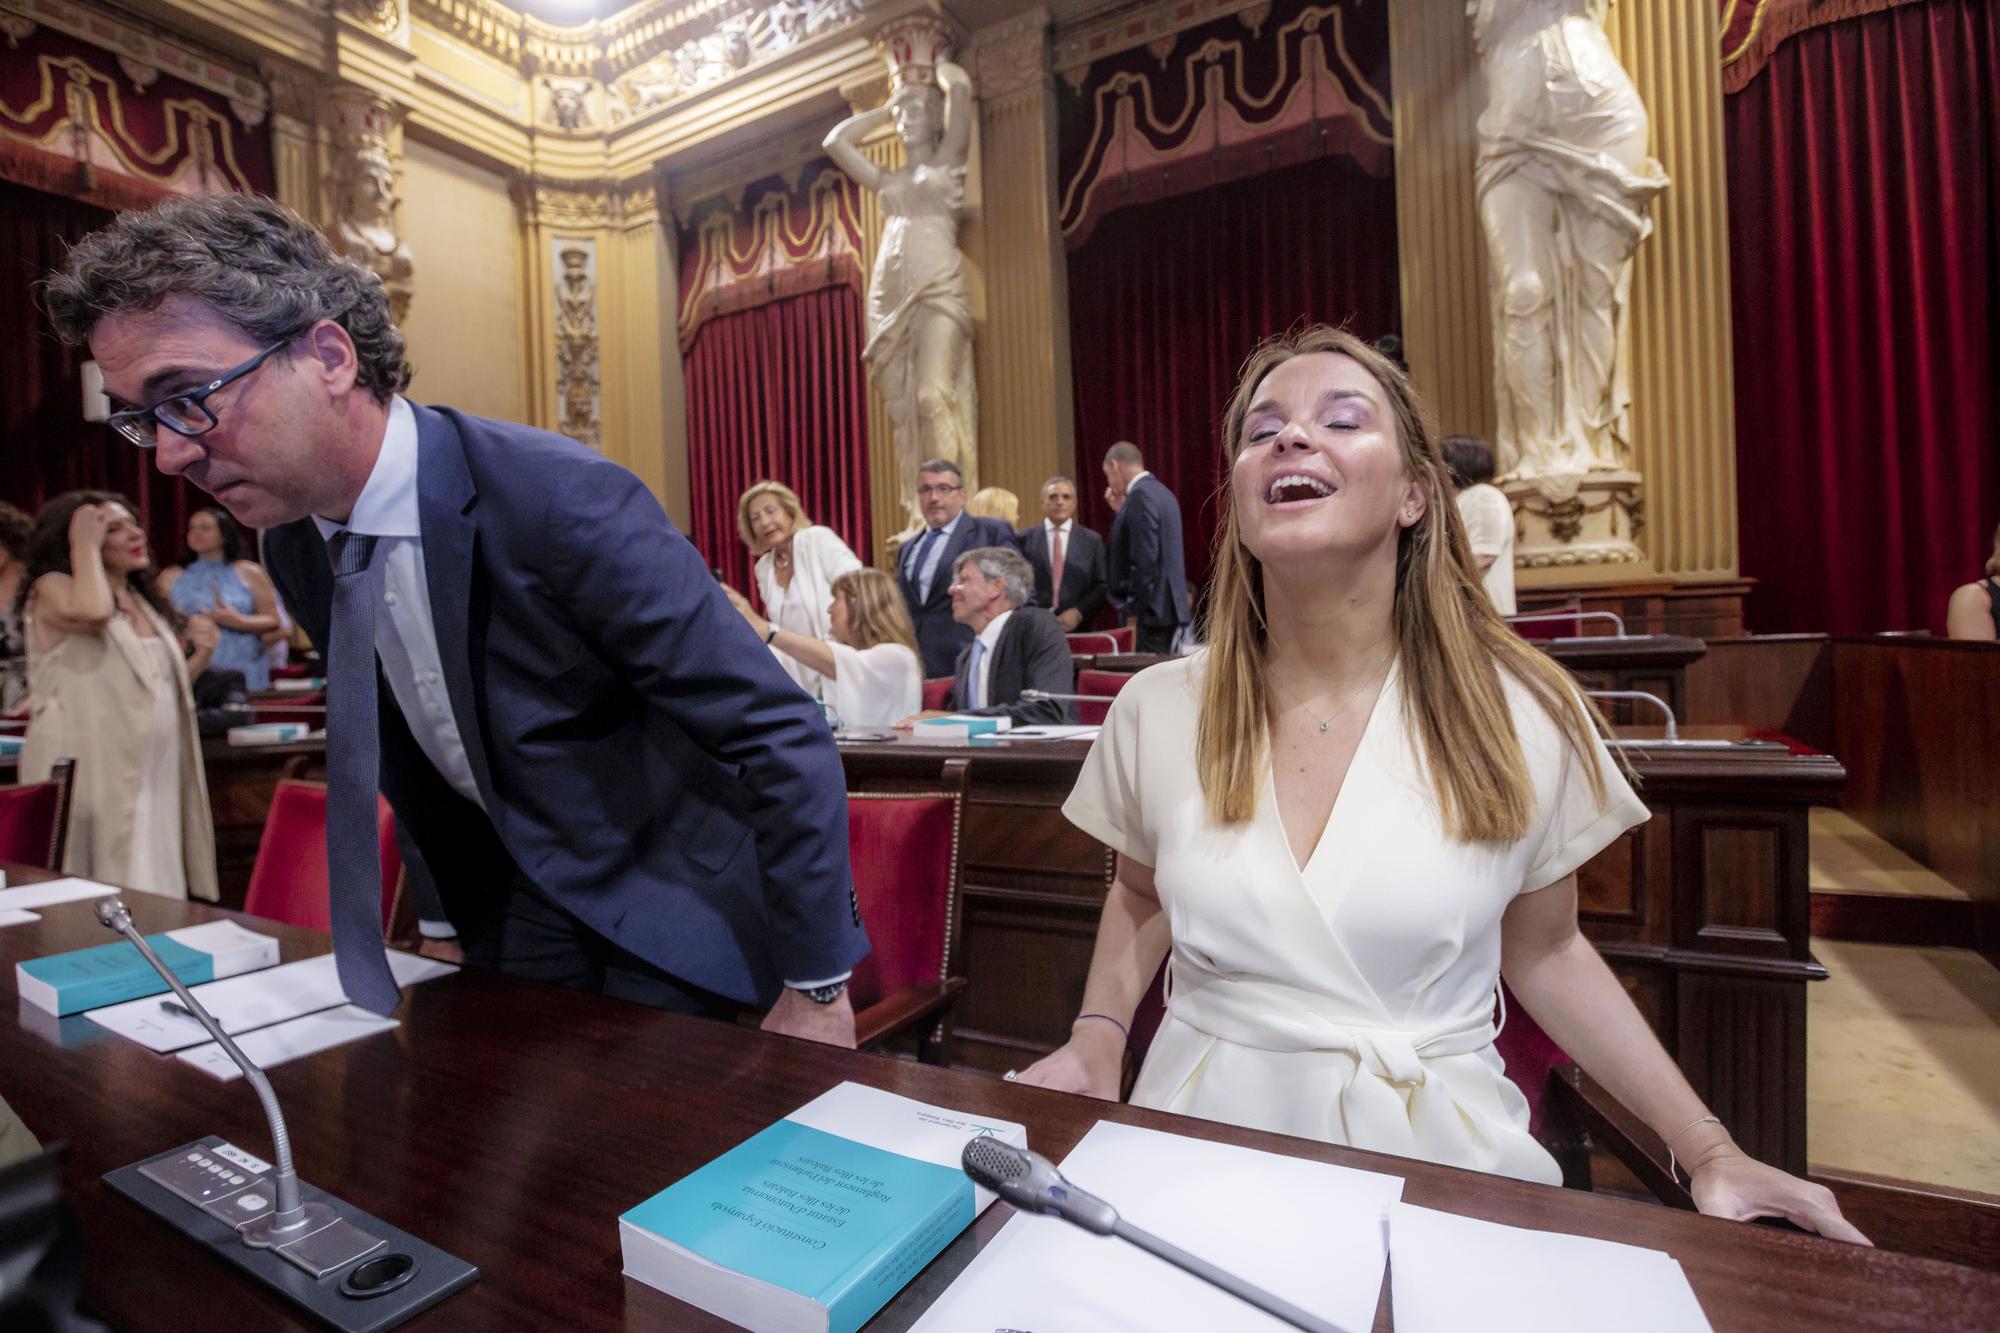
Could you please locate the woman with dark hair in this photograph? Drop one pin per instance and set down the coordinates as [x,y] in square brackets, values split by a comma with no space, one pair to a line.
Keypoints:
[14,526]
[110,690]
[1488,515]
[1974,609]
[216,581]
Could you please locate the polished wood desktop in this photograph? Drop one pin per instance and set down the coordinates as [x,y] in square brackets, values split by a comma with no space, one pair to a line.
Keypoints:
[1704,911]
[511,1123]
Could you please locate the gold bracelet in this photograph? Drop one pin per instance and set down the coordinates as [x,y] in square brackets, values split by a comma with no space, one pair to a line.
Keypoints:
[1671,1163]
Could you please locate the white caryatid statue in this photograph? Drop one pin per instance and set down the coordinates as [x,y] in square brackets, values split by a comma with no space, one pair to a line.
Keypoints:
[919,349]
[1565,187]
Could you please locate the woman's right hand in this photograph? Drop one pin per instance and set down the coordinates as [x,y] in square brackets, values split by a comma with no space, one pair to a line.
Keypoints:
[88,525]
[1090,1062]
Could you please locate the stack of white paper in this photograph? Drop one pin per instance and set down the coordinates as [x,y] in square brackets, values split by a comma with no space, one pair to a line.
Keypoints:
[1308,1232]
[11,916]
[250,1001]
[1449,1273]
[50,893]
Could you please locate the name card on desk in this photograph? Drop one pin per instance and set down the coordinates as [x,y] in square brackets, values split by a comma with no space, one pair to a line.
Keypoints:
[1308,1232]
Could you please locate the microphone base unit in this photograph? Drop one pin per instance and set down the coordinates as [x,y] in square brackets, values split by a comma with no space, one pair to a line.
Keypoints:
[344,1267]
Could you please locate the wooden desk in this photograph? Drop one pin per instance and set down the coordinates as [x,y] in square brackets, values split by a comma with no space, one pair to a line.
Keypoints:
[1704,911]
[511,1124]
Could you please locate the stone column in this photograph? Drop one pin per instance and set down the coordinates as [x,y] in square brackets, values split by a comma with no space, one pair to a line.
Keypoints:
[1683,388]
[1442,252]
[885,150]
[645,392]
[1027,420]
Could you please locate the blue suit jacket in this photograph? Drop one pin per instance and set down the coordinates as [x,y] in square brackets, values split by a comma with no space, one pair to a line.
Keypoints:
[940,639]
[1147,568]
[642,758]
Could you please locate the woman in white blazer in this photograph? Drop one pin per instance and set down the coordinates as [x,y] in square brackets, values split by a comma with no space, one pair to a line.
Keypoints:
[868,662]
[797,562]
[108,687]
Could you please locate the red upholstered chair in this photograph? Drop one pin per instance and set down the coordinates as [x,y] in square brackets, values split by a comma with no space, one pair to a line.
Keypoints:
[1126,638]
[288,881]
[1567,1113]
[34,818]
[1101,684]
[1088,645]
[935,691]
[905,850]
[307,708]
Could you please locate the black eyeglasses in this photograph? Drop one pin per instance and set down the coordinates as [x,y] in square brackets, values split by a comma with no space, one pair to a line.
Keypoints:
[184,413]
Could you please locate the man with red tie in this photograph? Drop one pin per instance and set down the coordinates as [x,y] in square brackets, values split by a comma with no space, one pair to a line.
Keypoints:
[1067,557]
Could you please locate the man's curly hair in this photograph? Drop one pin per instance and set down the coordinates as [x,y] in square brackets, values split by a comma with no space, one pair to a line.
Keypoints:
[255,262]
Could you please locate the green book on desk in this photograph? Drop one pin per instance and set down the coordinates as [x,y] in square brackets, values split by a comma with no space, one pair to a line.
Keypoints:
[812,1224]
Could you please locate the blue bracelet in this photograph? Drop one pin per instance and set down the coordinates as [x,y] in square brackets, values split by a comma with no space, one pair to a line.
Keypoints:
[1109,1019]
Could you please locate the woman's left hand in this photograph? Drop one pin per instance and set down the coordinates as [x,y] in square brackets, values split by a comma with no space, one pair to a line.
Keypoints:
[1738,1187]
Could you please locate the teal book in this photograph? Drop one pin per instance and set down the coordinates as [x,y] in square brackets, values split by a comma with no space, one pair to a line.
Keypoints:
[69,983]
[815,1223]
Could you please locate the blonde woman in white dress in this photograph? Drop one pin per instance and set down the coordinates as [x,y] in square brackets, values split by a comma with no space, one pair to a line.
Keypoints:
[868,662]
[109,688]
[797,562]
[1355,811]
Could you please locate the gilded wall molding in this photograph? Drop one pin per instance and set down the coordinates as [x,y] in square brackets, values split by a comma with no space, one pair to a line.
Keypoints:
[143,53]
[1010,60]
[579,389]
[1078,45]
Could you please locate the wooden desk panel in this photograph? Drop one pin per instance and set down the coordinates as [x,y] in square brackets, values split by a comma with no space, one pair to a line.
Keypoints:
[511,1123]
[1703,911]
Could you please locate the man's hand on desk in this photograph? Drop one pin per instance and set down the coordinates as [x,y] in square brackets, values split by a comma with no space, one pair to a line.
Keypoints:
[795,1015]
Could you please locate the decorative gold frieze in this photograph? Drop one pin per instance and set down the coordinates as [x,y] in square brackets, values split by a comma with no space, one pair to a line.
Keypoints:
[143,54]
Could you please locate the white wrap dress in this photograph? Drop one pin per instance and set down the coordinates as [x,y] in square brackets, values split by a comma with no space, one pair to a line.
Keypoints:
[1351,999]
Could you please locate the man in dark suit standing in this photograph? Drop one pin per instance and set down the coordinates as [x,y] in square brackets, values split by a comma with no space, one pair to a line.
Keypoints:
[1068,558]
[924,565]
[1147,569]
[615,788]
[1015,646]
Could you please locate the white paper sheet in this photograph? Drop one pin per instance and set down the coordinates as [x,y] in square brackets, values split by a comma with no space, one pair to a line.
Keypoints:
[1452,1274]
[10,916]
[50,893]
[1311,1233]
[275,1045]
[253,1000]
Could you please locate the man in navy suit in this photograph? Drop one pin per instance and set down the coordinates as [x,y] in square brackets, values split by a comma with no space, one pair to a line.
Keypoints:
[1068,558]
[924,565]
[613,785]
[1147,569]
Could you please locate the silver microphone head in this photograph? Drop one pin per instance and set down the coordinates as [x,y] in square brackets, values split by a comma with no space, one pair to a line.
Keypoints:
[1031,1183]
[111,912]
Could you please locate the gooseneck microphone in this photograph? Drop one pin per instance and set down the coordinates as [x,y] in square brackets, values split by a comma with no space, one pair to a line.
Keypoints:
[291,1218]
[1031,1183]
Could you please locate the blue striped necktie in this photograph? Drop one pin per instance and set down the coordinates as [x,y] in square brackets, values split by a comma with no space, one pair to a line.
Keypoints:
[353,779]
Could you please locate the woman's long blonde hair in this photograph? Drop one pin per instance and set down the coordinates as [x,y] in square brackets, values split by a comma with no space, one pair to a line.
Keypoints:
[875,610]
[1451,643]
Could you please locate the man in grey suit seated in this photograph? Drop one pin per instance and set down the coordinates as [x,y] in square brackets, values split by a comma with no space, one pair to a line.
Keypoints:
[1014,646]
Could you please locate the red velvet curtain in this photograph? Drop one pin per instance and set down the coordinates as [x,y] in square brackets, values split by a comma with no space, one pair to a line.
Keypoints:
[778,392]
[46,446]
[1864,177]
[1168,298]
